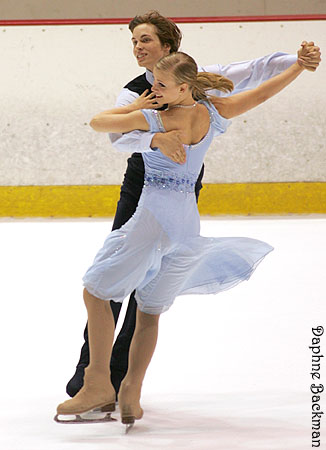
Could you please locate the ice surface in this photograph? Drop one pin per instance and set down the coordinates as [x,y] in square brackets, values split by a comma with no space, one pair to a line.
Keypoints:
[230,371]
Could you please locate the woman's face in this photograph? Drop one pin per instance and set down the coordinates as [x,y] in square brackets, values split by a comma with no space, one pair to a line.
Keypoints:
[147,47]
[165,88]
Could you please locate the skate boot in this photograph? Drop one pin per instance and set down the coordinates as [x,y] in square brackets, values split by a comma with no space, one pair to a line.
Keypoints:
[130,409]
[97,392]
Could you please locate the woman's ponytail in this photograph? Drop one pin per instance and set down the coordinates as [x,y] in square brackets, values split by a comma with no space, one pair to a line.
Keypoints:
[206,81]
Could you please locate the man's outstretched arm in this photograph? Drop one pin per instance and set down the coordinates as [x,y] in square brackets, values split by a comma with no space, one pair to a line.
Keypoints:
[250,74]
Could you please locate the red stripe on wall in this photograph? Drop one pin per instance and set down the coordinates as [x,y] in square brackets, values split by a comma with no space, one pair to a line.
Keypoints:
[175,19]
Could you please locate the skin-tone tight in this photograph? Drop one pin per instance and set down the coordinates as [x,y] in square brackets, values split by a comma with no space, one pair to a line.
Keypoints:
[101,334]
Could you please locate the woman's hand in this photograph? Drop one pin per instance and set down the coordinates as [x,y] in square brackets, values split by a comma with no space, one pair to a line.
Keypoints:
[145,101]
[309,56]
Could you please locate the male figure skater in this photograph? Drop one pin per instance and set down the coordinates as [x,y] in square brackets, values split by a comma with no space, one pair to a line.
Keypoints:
[155,36]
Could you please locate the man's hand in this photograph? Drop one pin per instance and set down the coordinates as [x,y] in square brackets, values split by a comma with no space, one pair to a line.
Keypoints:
[309,56]
[170,145]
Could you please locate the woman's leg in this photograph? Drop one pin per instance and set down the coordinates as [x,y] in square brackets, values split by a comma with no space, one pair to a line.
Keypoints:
[97,390]
[129,196]
[141,351]
[75,384]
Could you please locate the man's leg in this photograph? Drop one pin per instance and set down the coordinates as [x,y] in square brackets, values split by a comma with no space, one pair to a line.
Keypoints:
[120,351]
[141,351]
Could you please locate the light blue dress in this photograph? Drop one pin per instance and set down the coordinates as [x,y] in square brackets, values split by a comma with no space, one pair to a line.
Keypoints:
[159,251]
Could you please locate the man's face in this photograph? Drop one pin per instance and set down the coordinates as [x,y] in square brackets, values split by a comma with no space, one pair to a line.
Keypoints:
[147,47]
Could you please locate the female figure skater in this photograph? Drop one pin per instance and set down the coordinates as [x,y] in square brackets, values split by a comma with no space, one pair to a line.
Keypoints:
[159,251]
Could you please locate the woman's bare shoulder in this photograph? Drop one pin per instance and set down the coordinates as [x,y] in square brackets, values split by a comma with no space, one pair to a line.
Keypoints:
[222,105]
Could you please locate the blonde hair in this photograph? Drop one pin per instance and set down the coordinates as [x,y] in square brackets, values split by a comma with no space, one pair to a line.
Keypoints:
[184,70]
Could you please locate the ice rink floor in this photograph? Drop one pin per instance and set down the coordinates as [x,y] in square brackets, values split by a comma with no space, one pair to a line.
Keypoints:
[230,371]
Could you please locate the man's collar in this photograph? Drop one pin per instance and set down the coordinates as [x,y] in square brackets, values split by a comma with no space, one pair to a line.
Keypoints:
[149,76]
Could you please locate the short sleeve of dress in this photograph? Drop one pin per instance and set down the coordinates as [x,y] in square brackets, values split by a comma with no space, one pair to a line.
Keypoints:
[218,123]
[154,120]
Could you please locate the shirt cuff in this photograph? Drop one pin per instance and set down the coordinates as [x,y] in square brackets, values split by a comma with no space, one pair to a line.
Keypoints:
[145,142]
[292,58]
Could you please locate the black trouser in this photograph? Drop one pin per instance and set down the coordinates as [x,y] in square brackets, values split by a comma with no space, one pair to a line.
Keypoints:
[129,196]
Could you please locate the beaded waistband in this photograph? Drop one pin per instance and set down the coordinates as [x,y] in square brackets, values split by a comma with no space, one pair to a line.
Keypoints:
[171,181]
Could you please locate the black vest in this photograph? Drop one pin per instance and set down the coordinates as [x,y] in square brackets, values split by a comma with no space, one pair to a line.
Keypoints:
[139,85]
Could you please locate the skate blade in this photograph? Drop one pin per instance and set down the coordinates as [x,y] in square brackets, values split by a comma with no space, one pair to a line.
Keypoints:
[129,421]
[128,427]
[80,419]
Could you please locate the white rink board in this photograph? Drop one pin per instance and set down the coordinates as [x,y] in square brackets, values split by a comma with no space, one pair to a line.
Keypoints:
[54,78]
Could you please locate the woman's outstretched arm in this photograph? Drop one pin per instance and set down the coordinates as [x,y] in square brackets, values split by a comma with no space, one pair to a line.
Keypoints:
[239,103]
[126,118]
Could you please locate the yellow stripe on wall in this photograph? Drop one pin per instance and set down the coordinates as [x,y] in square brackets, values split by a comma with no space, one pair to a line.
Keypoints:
[263,198]
[215,199]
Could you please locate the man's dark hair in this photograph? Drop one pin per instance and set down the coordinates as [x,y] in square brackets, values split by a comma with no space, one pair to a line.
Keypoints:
[167,30]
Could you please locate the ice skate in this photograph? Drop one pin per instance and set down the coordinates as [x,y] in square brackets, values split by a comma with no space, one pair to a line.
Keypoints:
[128,418]
[130,409]
[97,393]
[129,421]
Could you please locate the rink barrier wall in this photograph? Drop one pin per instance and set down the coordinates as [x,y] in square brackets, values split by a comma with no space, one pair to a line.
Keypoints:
[215,199]
[85,198]
[52,144]
[122,21]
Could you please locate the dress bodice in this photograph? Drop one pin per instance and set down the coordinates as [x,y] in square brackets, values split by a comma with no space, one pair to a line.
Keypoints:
[165,173]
